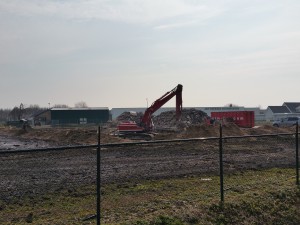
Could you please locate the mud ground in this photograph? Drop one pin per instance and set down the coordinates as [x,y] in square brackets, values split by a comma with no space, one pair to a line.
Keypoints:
[29,174]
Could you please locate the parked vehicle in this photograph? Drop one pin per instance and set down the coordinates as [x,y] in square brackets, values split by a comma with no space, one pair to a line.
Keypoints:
[287,122]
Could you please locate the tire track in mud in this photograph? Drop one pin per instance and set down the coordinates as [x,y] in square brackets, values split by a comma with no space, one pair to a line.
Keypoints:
[40,172]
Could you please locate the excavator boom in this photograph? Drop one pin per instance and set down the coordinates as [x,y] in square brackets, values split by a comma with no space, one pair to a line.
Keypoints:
[146,120]
[146,124]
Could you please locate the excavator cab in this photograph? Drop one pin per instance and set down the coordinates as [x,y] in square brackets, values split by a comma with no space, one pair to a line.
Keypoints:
[146,124]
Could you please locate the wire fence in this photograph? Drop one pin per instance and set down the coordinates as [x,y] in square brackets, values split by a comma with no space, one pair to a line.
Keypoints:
[35,171]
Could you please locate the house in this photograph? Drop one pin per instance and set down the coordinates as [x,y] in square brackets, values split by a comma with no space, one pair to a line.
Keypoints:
[42,118]
[294,107]
[278,112]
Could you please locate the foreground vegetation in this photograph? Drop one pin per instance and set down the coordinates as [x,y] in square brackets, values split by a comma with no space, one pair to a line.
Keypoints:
[253,197]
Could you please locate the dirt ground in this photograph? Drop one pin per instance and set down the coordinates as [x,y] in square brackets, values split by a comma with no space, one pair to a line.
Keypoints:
[28,174]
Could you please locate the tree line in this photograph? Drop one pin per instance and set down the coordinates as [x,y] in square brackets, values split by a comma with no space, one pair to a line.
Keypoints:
[19,112]
[26,111]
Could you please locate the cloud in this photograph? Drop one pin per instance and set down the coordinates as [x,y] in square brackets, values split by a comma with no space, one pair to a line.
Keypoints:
[129,11]
[176,25]
[200,16]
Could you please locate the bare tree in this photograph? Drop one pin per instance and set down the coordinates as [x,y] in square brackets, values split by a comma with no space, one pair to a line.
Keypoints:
[4,114]
[80,104]
[61,106]
[23,112]
[15,113]
[34,106]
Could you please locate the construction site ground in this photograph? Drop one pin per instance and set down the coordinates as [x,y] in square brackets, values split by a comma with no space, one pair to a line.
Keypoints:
[29,174]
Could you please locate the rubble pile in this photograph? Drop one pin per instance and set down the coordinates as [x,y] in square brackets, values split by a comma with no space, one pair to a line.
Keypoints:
[167,119]
[130,116]
[188,117]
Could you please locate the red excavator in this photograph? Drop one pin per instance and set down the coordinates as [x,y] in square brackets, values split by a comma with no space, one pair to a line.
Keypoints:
[146,124]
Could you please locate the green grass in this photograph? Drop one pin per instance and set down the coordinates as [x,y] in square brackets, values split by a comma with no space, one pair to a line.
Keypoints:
[253,197]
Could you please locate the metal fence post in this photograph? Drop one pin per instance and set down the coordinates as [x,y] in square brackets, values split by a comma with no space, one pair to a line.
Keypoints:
[221,165]
[98,179]
[297,154]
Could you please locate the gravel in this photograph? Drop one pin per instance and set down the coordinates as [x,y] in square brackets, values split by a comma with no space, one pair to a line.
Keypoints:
[36,173]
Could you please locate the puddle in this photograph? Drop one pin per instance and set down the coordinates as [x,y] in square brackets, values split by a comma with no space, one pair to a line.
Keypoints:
[10,143]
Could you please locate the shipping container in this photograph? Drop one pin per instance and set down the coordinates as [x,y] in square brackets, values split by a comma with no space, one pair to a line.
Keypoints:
[240,118]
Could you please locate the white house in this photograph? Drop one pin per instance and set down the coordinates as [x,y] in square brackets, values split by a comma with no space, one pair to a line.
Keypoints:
[278,112]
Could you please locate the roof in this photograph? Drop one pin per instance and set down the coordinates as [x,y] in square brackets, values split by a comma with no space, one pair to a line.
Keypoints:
[76,109]
[292,106]
[279,109]
[40,112]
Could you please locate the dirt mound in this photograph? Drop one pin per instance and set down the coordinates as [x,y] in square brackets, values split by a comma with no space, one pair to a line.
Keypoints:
[130,116]
[206,130]
[231,129]
[167,119]
[203,130]
[63,136]
[268,129]
[189,117]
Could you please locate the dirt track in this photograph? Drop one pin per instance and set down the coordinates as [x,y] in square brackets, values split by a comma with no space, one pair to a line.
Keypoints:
[34,173]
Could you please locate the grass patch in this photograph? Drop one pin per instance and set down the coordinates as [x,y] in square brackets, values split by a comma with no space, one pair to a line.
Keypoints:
[253,197]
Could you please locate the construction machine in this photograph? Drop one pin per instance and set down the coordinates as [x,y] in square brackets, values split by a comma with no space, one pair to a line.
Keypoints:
[145,127]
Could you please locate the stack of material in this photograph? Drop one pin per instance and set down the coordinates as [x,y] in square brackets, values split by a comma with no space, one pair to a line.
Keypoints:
[130,116]
[167,119]
[188,117]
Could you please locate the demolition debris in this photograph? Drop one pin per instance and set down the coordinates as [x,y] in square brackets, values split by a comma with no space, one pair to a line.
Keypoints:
[167,119]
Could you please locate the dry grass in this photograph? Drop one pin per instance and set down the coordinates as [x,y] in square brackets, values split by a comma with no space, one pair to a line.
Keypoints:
[253,197]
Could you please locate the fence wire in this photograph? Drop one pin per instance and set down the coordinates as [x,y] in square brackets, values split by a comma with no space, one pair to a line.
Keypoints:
[259,153]
[35,173]
[39,172]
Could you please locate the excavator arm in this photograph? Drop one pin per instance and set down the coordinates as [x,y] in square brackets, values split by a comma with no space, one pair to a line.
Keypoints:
[146,124]
[146,120]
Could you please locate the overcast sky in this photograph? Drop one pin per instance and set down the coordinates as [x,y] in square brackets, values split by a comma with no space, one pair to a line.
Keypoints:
[119,53]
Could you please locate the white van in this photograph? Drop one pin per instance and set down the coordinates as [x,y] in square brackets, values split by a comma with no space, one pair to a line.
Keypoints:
[287,122]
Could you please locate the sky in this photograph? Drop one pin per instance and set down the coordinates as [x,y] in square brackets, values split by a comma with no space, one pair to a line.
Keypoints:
[128,53]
